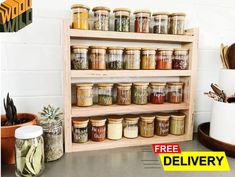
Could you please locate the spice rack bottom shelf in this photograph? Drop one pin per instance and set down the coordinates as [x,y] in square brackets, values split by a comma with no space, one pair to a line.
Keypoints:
[125,142]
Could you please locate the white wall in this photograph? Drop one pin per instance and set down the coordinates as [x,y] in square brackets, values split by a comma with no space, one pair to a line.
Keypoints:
[31,59]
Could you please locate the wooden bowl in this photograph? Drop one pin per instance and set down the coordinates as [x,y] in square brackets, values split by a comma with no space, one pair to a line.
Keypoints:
[213,144]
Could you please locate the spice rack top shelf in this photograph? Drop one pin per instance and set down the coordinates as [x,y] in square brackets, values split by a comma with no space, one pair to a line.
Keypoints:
[124,142]
[131,36]
[128,109]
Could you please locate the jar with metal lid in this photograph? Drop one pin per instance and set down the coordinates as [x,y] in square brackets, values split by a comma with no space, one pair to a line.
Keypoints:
[142,21]
[148,60]
[80,130]
[79,58]
[101,18]
[140,93]
[115,58]
[181,59]
[124,93]
[130,126]
[147,126]
[80,16]
[98,57]
[84,94]
[105,94]
[158,92]
[164,59]
[98,129]
[122,19]
[162,124]
[29,151]
[132,58]
[177,124]
[114,127]
[177,21]
[160,22]
[175,92]
[53,139]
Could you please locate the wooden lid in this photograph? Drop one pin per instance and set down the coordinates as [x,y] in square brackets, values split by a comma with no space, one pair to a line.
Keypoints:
[164,49]
[175,83]
[74,6]
[105,85]
[124,84]
[163,116]
[115,118]
[80,122]
[151,49]
[132,118]
[140,84]
[122,9]
[84,85]
[178,116]
[80,47]
[98,121]
[101,8]
[147,117]
[146,11]
[98,47]
[160,13]
[181,49]
[116,48]
[133,48]
[178,14]
[158,83]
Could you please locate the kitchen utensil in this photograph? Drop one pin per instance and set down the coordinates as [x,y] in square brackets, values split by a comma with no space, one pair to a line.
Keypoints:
[225,49]
[231,56]
[219,92]
[222,56]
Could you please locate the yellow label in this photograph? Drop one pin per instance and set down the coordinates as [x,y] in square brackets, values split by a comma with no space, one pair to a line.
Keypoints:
[195,161]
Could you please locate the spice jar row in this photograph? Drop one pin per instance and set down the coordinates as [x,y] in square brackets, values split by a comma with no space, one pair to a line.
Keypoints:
[118,58]
[163,22]
[126,93]
[114,127]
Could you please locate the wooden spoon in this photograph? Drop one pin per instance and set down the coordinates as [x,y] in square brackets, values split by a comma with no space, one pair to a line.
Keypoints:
[225,56]
[222,56]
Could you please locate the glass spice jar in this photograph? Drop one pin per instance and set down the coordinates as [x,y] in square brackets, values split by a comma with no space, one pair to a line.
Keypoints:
[148,60]
[124,93]
[147,126]
[177,23]
[160,22]
[162,124]
[177,124]
[140,93]
[98,129]
[84,94]
[105,94]
[132,58]
[122,19]
[98,57]
[142,21]
[79,58]
[180,60]
[158,92]
[115,58]
[175,92]
[130,126]
[114,127]
[53,140]
[164,59]
[101,18]
[80,17]
[29,151]
[80,130]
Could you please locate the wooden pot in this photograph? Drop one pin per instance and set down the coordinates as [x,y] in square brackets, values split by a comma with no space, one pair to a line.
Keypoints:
[8,137]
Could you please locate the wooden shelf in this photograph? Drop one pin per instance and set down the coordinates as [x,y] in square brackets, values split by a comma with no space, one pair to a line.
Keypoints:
[124,142]
[120,109]
[129,36]
[128,73]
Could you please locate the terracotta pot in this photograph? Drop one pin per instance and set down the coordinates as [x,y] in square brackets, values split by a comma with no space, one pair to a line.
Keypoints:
[8,137]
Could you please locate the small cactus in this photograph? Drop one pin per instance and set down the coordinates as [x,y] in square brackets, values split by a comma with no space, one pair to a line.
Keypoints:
[50,114]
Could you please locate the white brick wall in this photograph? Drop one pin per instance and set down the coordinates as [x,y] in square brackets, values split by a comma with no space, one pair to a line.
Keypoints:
[31,59]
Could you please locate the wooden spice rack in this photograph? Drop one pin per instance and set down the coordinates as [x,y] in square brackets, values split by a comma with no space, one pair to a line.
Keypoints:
[74,36]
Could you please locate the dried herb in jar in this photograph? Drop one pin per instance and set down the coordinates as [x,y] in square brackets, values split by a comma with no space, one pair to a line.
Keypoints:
[105,94]
[177,122]
[80,130]
[147,125]
[160,22]
[122,19]
[140,93]
[124,93]
[132,58]
[115,58]
[101,18]
[177,23]
[79,58]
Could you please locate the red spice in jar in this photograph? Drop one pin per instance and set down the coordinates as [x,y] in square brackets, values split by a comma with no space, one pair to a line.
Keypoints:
[98,130]
[157,99]
[164,59]
[157,95]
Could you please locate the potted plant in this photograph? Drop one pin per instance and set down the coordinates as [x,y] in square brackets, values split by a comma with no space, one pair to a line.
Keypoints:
[9,123]
[51,122]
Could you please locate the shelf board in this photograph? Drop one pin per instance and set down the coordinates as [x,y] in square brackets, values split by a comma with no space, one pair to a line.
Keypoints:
[128,73]
[129,36]
[128,109]
[124,142]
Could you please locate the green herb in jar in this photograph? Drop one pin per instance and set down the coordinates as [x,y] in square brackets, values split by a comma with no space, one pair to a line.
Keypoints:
[105,94]
[122,20]
[140,93]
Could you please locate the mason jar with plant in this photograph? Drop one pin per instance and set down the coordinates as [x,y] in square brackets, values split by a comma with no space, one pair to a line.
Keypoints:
[51,122]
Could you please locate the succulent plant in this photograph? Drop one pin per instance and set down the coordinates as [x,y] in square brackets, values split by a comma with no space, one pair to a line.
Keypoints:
[50,114]
[11,112]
